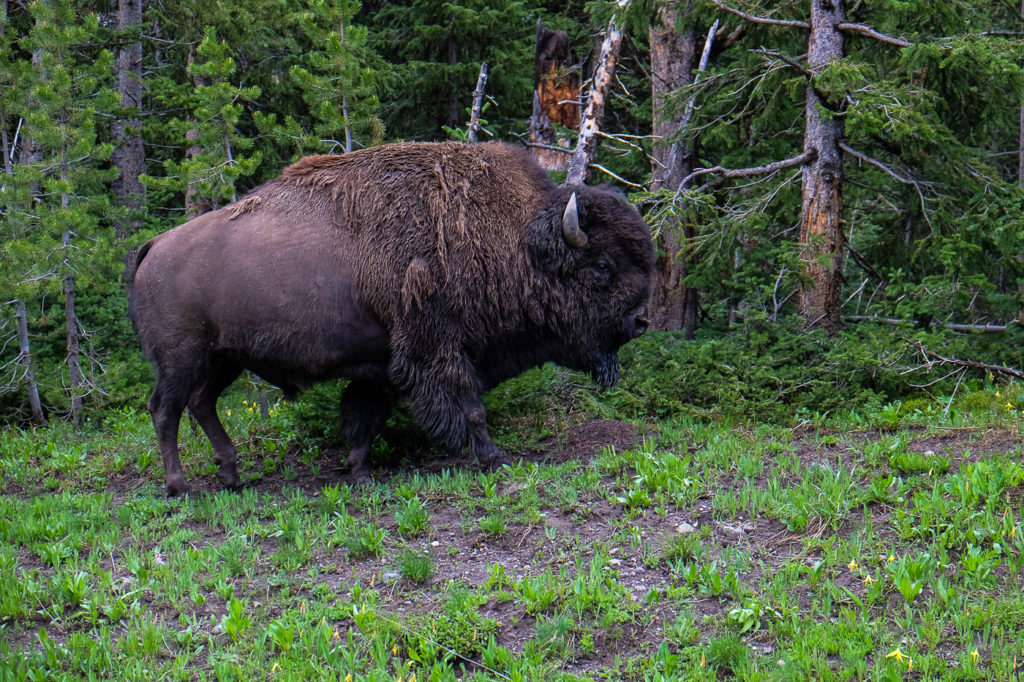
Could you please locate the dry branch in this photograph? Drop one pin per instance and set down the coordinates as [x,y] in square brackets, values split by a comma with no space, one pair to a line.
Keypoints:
[970,364]
[726,173]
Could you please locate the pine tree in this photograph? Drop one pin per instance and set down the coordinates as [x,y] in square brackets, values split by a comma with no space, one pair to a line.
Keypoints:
[65,88]
[221,155]
[337,85]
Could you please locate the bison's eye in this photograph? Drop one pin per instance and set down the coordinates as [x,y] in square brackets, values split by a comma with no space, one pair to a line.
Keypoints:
[603,268]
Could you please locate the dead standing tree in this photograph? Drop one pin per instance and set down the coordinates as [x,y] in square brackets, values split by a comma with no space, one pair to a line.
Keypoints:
[586,144]
[556,92]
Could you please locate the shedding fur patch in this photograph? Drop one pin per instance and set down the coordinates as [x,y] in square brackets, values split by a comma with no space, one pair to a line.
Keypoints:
[246,205]
[418,285]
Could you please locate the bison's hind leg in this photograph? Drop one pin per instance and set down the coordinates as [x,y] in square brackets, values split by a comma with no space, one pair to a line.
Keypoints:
[203,406]
[365,405]
[170,395]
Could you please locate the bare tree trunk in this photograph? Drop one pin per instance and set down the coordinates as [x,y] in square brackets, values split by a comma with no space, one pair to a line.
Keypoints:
[593,115]
[194,204]
[76,381]
[453,86]
[25,358]
[8,169]
[129,154]
[821,230]
[673,59]
[478,103]
[556,93]
[344,94]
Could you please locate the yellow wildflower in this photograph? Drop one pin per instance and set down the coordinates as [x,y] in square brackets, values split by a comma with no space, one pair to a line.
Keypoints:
[1010,406]
[852,565]
[274,668]
[900,656]
[868,580]
[394,650]
[348,678]
[891,558]
[975,655]
[703,661]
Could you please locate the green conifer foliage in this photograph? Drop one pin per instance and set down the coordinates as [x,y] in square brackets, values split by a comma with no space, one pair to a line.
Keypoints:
[220,152]
[337,85]
[56,209]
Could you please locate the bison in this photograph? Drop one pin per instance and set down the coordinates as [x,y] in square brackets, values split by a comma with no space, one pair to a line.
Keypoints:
[431,271]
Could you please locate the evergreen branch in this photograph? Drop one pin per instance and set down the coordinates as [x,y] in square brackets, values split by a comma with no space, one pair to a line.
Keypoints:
[872,33]
[793,23]
[786,59]
[894,175]
[727,173]
[971,364]
[863,262]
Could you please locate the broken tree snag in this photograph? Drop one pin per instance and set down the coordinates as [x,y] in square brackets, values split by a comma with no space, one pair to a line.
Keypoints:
[586,144]
[478,103]
[821,231]
[556,93]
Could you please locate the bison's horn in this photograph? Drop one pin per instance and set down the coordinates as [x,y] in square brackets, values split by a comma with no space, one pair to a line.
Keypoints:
[571,224]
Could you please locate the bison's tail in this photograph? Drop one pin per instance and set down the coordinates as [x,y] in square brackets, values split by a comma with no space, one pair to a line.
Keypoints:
[132,261]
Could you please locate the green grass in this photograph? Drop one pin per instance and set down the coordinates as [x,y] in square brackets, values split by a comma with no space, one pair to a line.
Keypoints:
[882,542]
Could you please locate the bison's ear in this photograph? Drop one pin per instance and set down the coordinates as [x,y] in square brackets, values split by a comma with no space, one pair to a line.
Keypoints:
[571,231]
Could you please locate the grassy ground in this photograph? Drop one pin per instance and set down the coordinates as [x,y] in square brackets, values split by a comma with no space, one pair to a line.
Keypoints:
[884,543]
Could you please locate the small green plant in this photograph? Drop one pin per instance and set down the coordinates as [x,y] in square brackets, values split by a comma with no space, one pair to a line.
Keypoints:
[493,524]
[235,622]
[412,518]
[415,566]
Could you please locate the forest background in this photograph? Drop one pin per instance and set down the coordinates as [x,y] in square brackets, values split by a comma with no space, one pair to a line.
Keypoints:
[829,183]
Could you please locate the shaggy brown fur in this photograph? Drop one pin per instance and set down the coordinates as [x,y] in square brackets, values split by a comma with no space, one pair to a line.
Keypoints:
[428,270]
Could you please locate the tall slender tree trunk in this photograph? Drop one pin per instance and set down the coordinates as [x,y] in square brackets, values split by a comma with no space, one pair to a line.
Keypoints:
[453,85]
[195,205]
[76,380]
[344,93]
[673,59]
[129,154]
[25,358]
[822,239]
[593,115]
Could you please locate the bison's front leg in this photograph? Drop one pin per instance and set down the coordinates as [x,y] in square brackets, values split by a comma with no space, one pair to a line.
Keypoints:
[445,397]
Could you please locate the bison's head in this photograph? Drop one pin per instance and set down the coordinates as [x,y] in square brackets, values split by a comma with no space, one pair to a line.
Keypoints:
[593,254]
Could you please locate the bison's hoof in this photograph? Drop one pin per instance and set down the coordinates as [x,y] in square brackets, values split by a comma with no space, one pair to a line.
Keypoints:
[227,474]
[360,476]
[490,457]
[178,488]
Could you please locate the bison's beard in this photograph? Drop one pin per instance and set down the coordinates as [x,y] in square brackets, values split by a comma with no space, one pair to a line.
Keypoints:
[606,369]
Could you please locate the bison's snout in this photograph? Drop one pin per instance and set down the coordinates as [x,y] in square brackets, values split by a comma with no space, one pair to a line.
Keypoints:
[640,321]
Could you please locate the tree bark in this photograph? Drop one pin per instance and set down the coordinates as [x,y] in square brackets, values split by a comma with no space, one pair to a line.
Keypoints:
[129,154]
[195,205]
[593,115]
[76,381]
[478,104]
[556,93]
[673,59]
[821,231]
[453,85]
[25,358]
